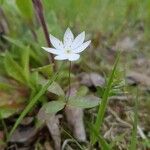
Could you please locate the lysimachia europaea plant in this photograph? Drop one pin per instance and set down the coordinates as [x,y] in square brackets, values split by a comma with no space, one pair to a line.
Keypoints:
[69,50]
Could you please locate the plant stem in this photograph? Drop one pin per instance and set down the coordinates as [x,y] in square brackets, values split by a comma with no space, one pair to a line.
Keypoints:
[69,82]
[39,10]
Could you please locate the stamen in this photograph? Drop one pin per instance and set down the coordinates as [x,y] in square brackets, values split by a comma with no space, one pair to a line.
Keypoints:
[68,51]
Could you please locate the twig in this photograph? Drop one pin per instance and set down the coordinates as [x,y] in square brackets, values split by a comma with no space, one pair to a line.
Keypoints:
[118,118]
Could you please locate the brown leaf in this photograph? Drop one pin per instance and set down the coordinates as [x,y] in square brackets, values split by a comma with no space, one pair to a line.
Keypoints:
[25,135]
[139,78]
[27,121]
[75,118]
[1,135]
[52,123]
[47,146]
[91,79]
[126,44]
[53,126]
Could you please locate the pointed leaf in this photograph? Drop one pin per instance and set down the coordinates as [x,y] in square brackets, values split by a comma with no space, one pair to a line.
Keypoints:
[15,42]
[13,69]
[6,112]
[54,88]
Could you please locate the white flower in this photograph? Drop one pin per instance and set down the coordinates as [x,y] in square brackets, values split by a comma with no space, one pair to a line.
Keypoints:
[70,48]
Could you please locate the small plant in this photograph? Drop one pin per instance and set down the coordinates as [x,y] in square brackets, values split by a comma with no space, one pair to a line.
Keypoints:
[69,50]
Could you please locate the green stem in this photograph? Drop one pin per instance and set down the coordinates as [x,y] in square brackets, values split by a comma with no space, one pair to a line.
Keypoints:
[69,82]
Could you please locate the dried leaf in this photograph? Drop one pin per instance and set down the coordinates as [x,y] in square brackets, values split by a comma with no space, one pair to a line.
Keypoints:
[53,126]
[27,121]
[52,123]
[139,78]
[75,119]
[47,146]
[11,99]
[91,79]
[126,44]
[24,135]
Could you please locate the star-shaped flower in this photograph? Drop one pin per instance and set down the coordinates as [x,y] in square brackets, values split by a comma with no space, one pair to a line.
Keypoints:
[70,48]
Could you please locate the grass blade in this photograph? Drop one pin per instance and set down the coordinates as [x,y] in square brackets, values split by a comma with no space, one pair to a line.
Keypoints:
[104,101]
[78,144]
[33,101]
[102,142]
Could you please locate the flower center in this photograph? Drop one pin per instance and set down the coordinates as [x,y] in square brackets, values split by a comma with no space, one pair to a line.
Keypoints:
[68,51]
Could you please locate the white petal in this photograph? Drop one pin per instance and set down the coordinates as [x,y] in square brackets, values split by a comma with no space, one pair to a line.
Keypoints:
[53,50]
[61,57]
[73,57]
[68,38]
[82,47]
[78,40]
[56,42]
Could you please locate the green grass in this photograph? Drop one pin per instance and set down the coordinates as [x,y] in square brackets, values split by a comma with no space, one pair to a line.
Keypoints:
[104,101]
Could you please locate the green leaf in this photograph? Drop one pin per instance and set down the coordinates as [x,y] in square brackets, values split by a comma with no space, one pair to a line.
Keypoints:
[83,102]
[19,44]
[6,112]
[83,90]
[54,88]
[46,70]
[34,77]
[102,107]
[15,42]
[53,107]
[26,8]
[102,142]
[13,69]
[25,61]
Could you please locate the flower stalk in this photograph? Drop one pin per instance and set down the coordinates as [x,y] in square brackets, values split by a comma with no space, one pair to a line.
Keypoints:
[69,83]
